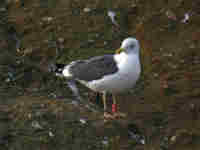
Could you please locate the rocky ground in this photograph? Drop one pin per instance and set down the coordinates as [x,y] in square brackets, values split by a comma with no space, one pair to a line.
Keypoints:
[38,111]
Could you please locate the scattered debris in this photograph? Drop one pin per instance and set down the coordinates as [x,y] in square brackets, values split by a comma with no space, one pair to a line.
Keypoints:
[167,54]
[112,15]
[173,138]
[155,74]
[75,103]
[36,125]
[7,80]
[10,77]
[86,10]
[3,9]
[171,15]
[51,134]
[47,19]
[53,95]
[29,116]
[91,41]
[135,134]
[61,40]
[186,18]
[83,121]
[105,141]
[105,43]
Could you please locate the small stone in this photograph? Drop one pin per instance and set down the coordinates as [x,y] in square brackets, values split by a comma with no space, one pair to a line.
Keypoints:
[53,95]
[112,15]
[86,9]
[155,74]
[171,15]
[192,106]
[192,46]
[91,41]
[35,89]
[173,139]
[97,35]
[36,125]
[38,114]
[182,61]
[161,49]
[61,40]
[83,121]
[186,18]
[47,19]
[3,9]
[142,141]
[29,116]
[105,142]
[174,66]
[51,134]
[8,80]
[170,54]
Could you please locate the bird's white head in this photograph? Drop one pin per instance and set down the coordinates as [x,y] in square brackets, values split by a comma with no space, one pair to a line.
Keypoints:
[130,46]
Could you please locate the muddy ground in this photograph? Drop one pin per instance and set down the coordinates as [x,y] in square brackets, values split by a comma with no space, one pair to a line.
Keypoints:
[38,110]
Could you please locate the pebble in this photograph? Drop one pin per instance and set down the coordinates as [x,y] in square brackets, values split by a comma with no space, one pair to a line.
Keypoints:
[97,35]
[36,125]
[86,10]
[105,142]
[173,139]
[29,116]
[51,134]
[192,46]
[112,15]
[186,18]
[47,19]
[61,40]
[174,66]
[8,80]
[155,74]
[83,121]
[53,95]
[171,15]
[3,9]
[168,54]
[105,43]
[91,41]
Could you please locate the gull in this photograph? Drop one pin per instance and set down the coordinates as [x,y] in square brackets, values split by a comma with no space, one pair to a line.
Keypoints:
[114,73]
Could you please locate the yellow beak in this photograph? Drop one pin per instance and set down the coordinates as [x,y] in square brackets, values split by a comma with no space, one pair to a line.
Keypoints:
[118,51]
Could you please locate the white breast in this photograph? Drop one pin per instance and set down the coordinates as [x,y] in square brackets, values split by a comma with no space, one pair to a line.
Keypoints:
[127,75]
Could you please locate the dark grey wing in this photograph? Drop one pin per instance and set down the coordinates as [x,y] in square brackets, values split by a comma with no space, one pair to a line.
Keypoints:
[94,68]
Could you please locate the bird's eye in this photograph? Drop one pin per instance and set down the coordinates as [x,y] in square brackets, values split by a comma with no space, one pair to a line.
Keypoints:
[131,46]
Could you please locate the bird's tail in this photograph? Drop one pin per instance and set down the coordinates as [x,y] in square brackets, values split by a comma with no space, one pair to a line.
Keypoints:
[58,69]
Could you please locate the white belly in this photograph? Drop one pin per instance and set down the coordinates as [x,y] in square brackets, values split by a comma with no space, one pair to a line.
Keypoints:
[125,78]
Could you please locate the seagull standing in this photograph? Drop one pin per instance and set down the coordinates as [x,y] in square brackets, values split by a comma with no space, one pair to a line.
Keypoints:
[108,73]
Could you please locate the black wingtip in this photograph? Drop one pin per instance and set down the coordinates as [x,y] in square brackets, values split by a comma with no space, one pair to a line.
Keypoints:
[59,68]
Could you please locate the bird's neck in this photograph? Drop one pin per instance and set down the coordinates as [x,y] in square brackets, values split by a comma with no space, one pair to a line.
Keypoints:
[123,57]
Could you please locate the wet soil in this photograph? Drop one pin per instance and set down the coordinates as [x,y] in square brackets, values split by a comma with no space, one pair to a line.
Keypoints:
[38,110]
